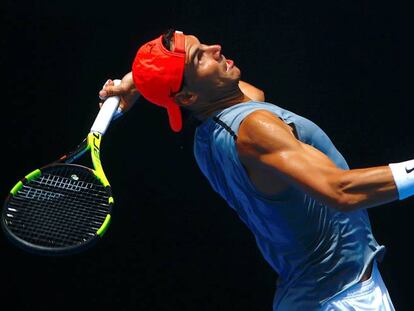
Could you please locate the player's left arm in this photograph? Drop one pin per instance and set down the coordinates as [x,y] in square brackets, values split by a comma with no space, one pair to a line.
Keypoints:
[126,90]
[129,94]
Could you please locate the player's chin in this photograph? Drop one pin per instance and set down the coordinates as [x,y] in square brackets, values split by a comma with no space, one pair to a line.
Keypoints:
[234,73]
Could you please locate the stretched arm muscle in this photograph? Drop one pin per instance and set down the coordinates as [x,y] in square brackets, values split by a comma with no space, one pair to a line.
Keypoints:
[269,151]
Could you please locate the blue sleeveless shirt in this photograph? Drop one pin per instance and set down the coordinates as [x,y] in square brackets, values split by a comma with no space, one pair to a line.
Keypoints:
[316,251]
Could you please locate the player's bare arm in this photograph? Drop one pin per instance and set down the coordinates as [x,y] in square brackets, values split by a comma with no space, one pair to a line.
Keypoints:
[275,159]
[126,90]
[129,93]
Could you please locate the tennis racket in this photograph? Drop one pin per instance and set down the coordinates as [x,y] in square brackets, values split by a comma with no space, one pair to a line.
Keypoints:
[63,208]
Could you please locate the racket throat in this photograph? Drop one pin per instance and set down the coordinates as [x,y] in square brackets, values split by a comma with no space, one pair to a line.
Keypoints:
[94,142]
[75,154]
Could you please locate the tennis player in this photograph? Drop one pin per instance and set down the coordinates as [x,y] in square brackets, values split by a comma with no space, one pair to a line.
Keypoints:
[279,171]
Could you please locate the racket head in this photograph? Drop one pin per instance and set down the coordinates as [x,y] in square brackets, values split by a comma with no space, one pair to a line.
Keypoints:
[59,209]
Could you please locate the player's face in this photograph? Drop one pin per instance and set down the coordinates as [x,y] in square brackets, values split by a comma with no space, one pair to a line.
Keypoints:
[207,70]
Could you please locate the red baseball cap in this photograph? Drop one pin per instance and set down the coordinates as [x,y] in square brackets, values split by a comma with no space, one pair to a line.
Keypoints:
[158,75]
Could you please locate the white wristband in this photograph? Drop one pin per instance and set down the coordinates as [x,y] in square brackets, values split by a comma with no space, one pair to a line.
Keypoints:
[403,174]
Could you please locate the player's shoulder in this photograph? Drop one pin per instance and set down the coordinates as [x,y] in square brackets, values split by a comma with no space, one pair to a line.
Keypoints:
[263,130]
[261,122]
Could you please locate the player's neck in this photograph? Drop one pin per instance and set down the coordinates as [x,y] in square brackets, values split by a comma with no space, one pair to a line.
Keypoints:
[204,109]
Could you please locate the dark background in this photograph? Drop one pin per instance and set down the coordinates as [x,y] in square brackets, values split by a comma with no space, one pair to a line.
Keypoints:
[173,243]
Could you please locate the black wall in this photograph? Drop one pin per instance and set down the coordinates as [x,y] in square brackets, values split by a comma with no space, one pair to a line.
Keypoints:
[173,243]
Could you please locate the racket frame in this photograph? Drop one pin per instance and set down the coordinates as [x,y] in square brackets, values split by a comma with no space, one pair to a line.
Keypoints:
[92,144]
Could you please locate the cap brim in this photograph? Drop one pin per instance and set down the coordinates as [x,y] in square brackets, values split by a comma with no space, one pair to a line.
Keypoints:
[174,115]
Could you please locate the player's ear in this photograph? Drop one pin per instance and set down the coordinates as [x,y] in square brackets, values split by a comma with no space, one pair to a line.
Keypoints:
[185,98]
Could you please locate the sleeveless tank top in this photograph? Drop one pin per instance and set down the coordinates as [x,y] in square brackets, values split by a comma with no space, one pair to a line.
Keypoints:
[316,251]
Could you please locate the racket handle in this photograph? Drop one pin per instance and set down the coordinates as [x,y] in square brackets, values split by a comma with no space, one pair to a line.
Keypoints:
[106,112]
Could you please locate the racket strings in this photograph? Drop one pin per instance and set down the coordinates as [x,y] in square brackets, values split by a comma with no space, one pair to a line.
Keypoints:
[65,206]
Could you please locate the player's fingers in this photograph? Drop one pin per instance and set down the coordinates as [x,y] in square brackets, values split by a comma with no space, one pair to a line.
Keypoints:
[103,93]
[111,90]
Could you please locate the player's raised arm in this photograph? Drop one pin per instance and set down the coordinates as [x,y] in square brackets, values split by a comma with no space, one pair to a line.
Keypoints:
[126,90]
